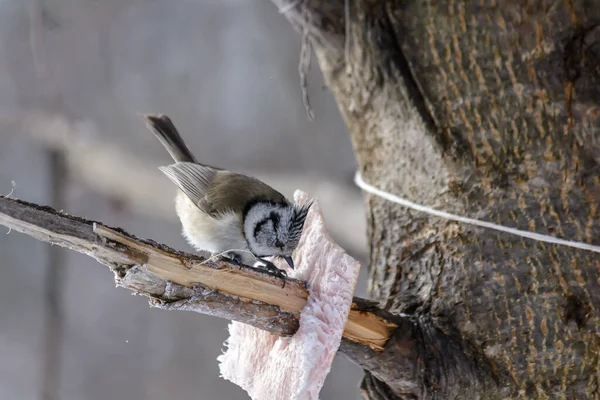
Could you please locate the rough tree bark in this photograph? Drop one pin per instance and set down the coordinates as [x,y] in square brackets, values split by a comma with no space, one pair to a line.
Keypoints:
[487,109]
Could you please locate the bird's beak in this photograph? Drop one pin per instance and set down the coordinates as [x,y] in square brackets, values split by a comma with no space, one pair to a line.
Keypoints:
[289,260]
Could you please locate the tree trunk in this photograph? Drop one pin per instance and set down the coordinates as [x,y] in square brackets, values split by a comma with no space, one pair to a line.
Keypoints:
[487,109]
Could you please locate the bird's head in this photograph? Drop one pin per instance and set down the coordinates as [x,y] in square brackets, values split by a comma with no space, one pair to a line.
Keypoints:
[274,229]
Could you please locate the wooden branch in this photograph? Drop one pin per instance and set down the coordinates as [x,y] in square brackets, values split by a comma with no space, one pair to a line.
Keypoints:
[180,281]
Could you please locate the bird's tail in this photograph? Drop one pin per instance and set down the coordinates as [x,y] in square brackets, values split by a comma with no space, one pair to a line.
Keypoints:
[166,132]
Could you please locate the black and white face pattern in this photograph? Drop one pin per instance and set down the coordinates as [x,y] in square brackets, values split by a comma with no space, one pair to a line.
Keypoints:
[274,229]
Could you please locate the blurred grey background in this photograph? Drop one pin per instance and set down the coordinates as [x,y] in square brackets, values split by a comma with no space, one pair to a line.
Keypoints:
[73,75]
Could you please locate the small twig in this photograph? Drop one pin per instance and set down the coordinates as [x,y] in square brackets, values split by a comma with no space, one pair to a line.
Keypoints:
[303,66]
[14,185]
[347,37]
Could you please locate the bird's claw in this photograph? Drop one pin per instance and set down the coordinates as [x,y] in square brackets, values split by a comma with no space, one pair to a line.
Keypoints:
[232,258]
[278,273]
[236,259]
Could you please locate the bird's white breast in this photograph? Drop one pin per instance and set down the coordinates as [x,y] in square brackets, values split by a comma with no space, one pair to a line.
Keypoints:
[206,233]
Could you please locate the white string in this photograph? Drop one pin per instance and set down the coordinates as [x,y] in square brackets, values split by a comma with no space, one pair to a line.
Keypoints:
[442,214]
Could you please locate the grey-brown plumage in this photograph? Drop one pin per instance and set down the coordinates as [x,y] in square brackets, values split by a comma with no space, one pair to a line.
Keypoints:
[223,211]
[167,134]
[218,191]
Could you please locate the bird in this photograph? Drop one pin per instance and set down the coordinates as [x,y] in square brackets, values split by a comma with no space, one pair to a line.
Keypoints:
[237,217]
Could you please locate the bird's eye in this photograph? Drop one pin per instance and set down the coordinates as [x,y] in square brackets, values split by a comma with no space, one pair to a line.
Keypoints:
[279,244]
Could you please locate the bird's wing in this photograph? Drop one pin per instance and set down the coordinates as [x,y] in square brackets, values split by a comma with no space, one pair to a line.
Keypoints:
[192,179]
[231,191]
[218,191]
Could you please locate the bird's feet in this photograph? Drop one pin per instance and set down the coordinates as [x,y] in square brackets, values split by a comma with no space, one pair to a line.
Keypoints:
[276,272]
[232,258]
[235,259]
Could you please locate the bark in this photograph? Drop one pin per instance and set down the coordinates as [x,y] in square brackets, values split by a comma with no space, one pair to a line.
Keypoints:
[490,110]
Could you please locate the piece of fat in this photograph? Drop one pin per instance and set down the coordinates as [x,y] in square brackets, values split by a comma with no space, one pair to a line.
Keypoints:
[270,367]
